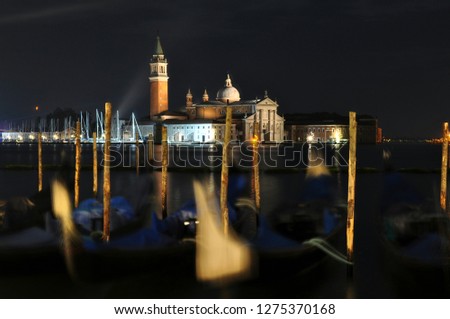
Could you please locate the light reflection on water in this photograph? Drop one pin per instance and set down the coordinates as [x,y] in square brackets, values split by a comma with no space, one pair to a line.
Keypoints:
[420,156]
[276,186]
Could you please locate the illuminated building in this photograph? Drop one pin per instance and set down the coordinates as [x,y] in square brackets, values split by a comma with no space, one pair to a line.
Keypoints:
[246,113]
[330,128]
[188,126]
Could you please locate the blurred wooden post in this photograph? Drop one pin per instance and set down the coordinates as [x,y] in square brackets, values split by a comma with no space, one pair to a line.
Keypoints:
[351,186]
[443,196]
[224,175]
[165,156]
[94,164]
[255,181]
[106,174]
[39,161]
[136,139]
[77,163]
[150,148]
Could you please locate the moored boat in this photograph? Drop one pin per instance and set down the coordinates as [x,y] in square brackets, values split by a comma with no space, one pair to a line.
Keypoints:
[415,236]
[29,238]
[293,239]
[142,246]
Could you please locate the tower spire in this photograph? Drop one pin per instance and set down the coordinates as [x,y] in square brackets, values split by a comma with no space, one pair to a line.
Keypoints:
[189,98]
[158,47]
[205,97]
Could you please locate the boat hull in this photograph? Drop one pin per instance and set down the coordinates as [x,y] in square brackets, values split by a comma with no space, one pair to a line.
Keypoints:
[414,278]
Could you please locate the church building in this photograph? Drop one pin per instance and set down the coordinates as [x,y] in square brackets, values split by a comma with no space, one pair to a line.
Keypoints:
[204,121]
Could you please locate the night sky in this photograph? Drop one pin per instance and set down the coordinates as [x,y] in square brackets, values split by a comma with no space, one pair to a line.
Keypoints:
[390,59]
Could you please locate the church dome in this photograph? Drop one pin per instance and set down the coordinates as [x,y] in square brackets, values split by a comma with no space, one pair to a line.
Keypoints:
[228,92]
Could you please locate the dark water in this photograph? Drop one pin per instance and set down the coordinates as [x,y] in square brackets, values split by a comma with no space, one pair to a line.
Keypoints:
[406,156]
[371,279]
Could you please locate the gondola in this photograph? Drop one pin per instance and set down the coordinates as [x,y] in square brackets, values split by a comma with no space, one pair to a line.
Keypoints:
[415,237]
[141,245]
[29,237]
[30,234]
[300,240]
[294,239]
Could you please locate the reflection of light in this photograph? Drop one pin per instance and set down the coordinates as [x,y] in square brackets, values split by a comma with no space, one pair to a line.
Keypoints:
[55,136]
[44,137]
[233,265]
[310,138]
[31,137]
[188,222]
[337,136]
[130,96]
[20,137]
[255,139]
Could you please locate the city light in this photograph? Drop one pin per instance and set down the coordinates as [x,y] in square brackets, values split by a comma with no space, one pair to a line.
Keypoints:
[337,136]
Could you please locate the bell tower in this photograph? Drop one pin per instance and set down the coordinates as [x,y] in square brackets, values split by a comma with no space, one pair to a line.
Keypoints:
[159,97]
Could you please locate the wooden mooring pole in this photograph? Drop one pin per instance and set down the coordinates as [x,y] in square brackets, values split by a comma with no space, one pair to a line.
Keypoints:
[444,164]
[224,174]
[351,186]
[107,174]
[39,161]
[77,164]
[255,166]
[150,148]
[165,158]
[94,164]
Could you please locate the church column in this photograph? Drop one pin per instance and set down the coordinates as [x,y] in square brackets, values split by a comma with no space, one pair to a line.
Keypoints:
[272,126]
[254,124]
[274,114]
[269,122]
[260,125]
